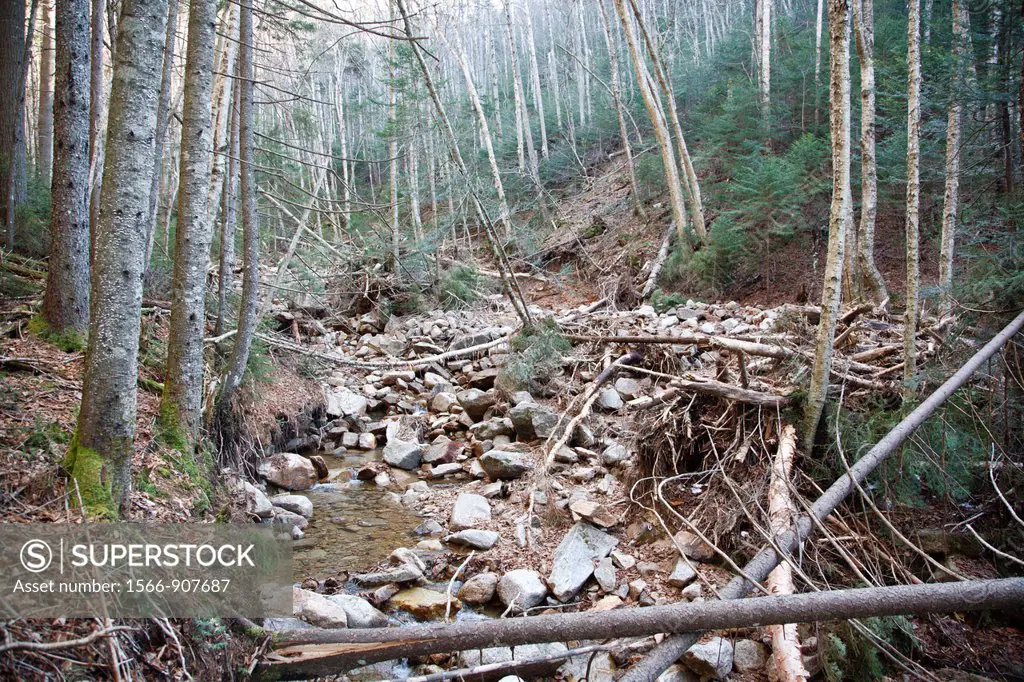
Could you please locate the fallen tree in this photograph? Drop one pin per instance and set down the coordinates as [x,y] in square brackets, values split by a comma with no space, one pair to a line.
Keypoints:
[302,654]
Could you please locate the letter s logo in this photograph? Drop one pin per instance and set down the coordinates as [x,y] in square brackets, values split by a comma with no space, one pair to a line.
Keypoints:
[36,556]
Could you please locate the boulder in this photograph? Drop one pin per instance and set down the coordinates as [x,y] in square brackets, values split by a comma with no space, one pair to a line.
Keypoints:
[596,667]
[595,513]
[428,527]
[609,400]
[548,656]
[604,574]
[532,421]
[627,388]
[289,471]
[484,379]
[360,613]
[475,338]
[403,454]
[367,441]
[317,610]
[523,586]
[423,603]
[711,659]
[442,402]
[574,559]
[443,451]
[492,428]
[614,454]
[749,656]
[476,402]
[682,575]
[342,402]
[475,539]
[399,574]
[287,518]
[442,470]
[678,673]
[504,465]
[469,511]
[298,504]
[256,502]
[479,589]
[693,547]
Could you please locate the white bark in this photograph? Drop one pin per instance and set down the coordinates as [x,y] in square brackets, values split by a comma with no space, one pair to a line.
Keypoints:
[538,100]
[913,190]
[950,199]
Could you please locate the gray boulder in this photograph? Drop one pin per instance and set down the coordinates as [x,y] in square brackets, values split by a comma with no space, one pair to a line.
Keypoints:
[710,659]
[682,575]
[294,503]
[504,465]
[476,402]
[359,612]
[342,402]
[479,589]
[532,421]
[403,454]
[469,512]
[256,501]
[317,610]
[574,559]
[609,400]
[524,587]
[749,656]
[475,539]
[289,471]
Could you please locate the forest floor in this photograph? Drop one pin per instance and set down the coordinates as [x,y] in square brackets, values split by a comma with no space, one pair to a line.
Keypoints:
[325,378]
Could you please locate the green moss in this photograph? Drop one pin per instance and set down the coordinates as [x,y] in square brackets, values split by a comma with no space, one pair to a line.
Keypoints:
[70,340]
[169,429]
[87,467]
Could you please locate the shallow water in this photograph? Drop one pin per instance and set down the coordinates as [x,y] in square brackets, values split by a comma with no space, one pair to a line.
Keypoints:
[354,526]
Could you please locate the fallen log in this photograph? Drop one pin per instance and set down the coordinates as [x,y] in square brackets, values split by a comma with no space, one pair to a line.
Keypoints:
[758,568]
[303,654]
[715,388]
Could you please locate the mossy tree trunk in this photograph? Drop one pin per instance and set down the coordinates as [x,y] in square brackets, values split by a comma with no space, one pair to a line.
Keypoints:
[181,403]
[66,303]
[100,456]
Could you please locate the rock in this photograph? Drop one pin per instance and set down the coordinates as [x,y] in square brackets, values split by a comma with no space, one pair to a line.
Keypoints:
[442,470]
[583,436]
[623,560]
[476,539]
[317,610]
[382,480]
[443,451]
[730,324]
[400,574]
[342,402]
[504,465]
[636,588]
[469,511]
[614,454]
[520,397]
[492,490]
[319,466]
[693,547]
[627,388]
[479,589]
[403,454]
[423,603]
[566,455]
[749,656]
[395,376]
[606,603]
[532,421]
[596,667]
[595,513]
[256,501]
[367,441]
[678,673]
[544,669]
[492,428]
[297,533]
[692,592]
[289,471]
[604,574]
[476,402]
[442,402]
[682,575]
[710,659]
[360,613]
[523,586]
[476,338]
[574,559]
[484,379]
[429,527]
[294,503]
[350,440]
[609,400]
[278,624]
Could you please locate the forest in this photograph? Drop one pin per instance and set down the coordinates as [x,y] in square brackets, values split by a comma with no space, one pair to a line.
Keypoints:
[643,340]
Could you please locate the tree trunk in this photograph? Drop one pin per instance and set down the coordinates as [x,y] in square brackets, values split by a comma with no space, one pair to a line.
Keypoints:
[913,192]
[839,214]
[95,119]
[44,132]
[951,196]
[162,120]
[817,66]
[182,400]
[764,58]
[396,235]
[538,100]
[223,96]
[12,55]
[248,317]
[100,456]
[871,283]
[613,60]
[226,276]
[66,303]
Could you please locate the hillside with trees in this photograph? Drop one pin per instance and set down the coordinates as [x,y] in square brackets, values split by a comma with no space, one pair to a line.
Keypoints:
[539,330]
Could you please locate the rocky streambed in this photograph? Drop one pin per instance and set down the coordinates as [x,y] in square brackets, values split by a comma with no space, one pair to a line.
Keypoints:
[411,500]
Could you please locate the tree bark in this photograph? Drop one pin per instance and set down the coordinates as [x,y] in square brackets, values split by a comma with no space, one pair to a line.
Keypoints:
[95,119]
[223,98]
[913,192]
[839,214]
[66,303]
[396,235]
[12,55]
[764,58]
[248,317]
[538,100]
[100,456]
[181,403]
[952,187]
[817,65]
[44,131]
[870,282]
[226,276]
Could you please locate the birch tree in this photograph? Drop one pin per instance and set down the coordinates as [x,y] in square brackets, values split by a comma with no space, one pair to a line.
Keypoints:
[181,403]
[952,185]
[66,302]
[913,190]
[99,459]
[44,130]
[871,283]
[840,213]
[538,100]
